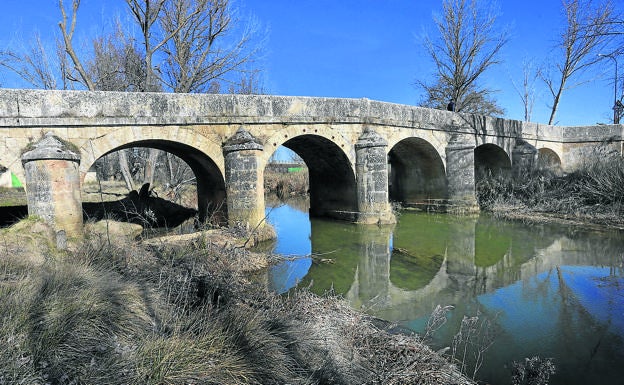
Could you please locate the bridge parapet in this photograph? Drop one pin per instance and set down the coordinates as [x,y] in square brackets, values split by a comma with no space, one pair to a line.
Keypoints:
[67,108]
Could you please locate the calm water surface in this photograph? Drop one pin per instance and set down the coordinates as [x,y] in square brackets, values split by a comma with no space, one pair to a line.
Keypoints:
[548,290]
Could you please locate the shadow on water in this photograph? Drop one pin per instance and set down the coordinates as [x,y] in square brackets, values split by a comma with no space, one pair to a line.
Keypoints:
[549,290]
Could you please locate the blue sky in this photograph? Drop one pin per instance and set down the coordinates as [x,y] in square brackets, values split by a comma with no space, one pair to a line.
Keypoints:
[359,48]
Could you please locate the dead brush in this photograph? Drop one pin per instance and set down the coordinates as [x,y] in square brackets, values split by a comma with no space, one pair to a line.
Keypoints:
[594,192]
[287,184]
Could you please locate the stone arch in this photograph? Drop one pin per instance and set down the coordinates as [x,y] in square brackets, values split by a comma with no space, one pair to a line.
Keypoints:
[285,134]
[203,157]
[417,173]
[331,175]
[548,159]
[491,159]
[124,137]
[438,140]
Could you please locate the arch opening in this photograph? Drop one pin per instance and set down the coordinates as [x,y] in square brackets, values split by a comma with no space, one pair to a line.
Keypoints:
[331,179]
[12,198]
[416,176]
[286,175]
[177,173]
[491,161]
[547,159]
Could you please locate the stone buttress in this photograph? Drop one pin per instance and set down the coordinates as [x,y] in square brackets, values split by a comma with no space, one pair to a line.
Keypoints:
[53,186]
[460,172]
[244,180]
[372,179]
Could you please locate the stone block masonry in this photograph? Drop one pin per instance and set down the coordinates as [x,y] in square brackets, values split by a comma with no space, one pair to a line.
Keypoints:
[53,180]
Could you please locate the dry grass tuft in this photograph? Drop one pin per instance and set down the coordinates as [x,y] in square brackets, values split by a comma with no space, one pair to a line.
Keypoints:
[186,313]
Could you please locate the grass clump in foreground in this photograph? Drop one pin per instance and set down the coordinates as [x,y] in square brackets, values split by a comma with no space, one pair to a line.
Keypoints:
[130,313]
[592,194]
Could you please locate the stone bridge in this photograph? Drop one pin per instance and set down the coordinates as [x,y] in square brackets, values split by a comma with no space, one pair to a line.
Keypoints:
[361,154]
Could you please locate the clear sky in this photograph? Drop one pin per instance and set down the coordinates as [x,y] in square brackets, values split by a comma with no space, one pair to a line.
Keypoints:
[359,48]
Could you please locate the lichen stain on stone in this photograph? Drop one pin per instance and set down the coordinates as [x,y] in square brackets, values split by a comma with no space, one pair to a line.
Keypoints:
[297,107]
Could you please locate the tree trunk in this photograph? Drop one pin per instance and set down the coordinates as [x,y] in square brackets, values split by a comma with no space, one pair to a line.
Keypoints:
[125,169]
[150,166]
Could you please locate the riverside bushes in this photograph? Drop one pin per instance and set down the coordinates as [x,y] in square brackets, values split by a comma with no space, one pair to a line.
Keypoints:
[286,184]
[593,193]
[132,313]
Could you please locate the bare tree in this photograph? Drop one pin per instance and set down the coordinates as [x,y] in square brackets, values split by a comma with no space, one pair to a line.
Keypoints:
[117,63]
[527,90]
[35,65]
[202,48]
[182,46]
[588,25]
[467,46]
[67,31]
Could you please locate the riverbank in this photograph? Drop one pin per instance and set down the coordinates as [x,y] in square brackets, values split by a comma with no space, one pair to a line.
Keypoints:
[590,197]
[182,310]
[592,221]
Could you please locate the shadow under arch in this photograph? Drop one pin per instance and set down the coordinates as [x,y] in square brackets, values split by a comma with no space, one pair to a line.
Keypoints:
[416,173]
[331,178]
[548,159]
[211,197]
[490,159]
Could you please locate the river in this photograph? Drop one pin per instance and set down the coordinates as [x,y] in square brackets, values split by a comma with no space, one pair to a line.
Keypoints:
[537,290]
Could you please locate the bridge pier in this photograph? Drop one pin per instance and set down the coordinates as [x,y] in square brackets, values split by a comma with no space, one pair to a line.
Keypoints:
[523,158]
[460,173]
[372,179]
[244,180]
[52,180]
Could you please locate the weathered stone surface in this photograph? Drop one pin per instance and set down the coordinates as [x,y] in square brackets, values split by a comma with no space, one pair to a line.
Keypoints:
[242,140]
[50,147]
[523,157]
[53,186]
[460,172]
[244,180]
[372,178]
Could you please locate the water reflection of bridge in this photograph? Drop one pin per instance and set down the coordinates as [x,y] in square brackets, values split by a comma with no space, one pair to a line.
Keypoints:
[449,260]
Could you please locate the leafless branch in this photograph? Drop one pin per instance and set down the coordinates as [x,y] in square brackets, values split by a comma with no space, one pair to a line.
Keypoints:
[467,46]
[68,34]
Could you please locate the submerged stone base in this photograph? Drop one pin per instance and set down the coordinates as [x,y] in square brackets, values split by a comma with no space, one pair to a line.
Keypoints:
[383,218]
[462,207]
